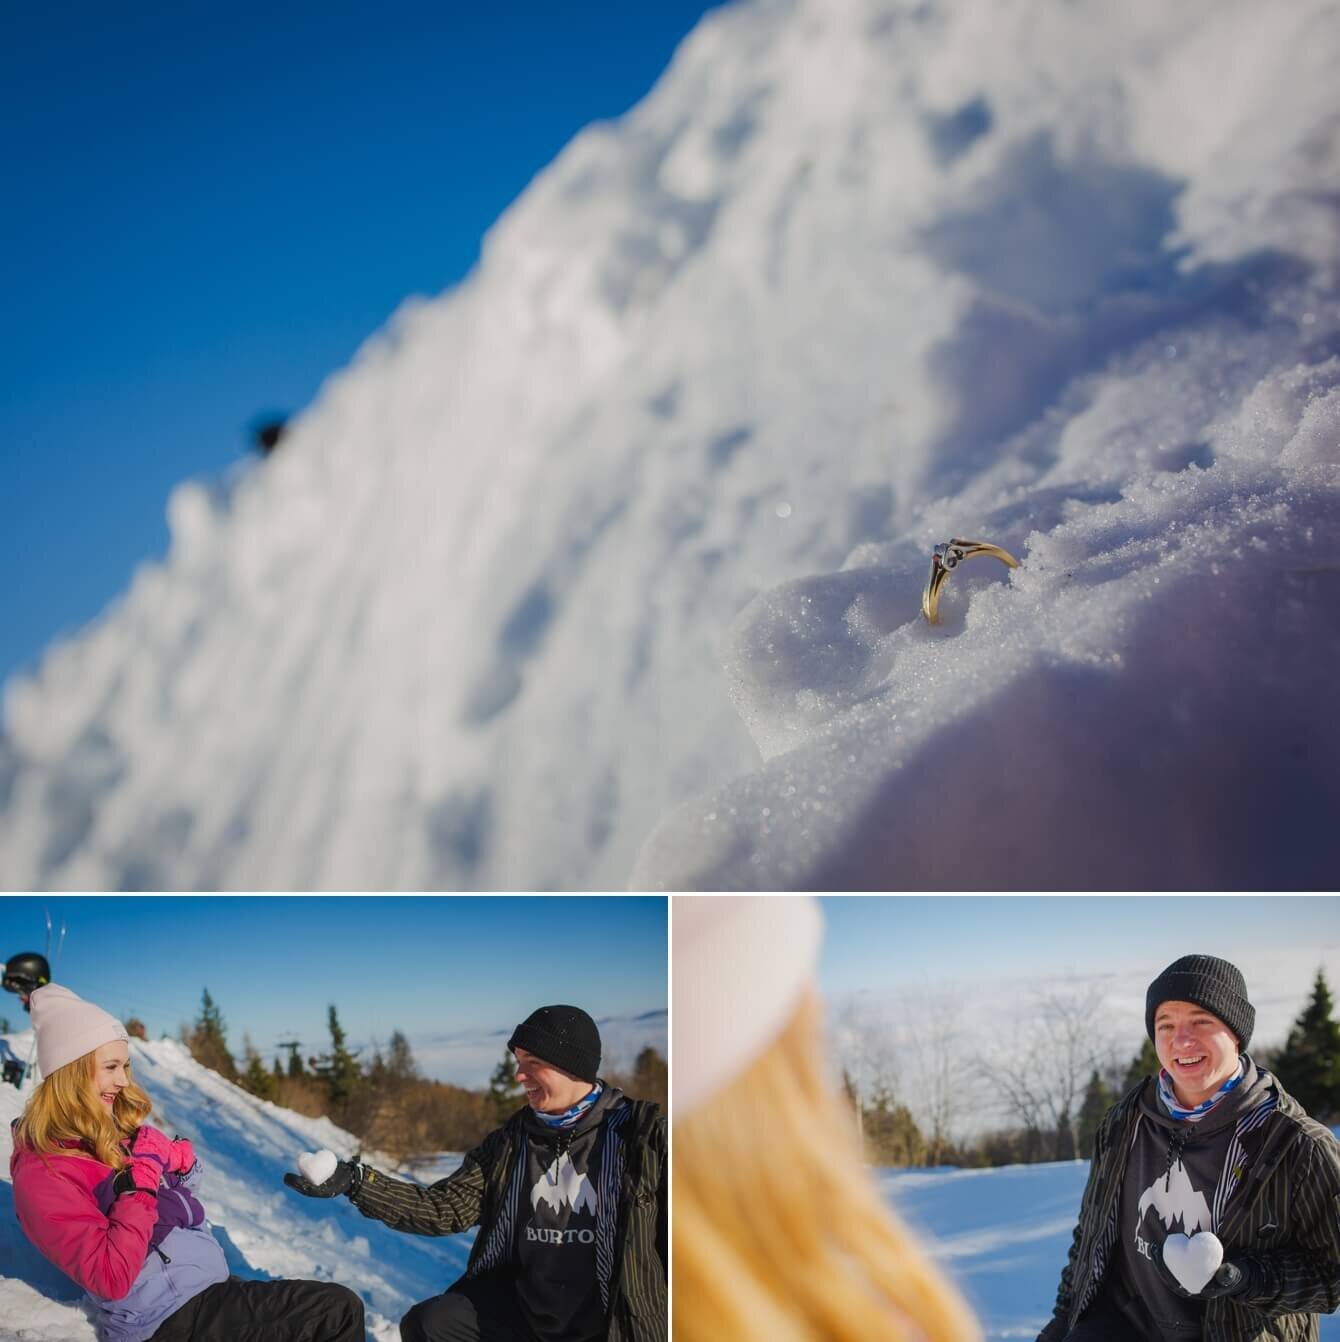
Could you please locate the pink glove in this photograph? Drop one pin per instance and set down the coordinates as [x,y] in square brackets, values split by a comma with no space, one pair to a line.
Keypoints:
[142,1175]
[149,1155]
[150,1144]
[183,1157]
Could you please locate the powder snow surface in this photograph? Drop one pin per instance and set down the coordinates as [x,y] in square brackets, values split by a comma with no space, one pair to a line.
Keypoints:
[606,566]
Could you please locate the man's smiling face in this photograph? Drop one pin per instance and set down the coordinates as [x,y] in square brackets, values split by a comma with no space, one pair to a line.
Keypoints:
[549,1089]
[1196,1049]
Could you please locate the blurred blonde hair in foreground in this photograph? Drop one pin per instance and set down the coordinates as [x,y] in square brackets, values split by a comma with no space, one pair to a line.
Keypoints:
[779,1232]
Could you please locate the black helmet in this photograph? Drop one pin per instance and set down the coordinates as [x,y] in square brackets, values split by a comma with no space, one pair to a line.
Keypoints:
[26,972]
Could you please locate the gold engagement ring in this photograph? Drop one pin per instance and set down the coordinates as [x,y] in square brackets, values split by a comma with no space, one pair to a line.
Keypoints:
[948,557]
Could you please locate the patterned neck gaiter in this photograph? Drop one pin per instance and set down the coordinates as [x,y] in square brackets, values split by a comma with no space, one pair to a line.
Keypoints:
[570,1116]
[1180,1112]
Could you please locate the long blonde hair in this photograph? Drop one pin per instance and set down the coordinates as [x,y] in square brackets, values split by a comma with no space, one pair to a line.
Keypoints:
[64,1108]
[779,1233]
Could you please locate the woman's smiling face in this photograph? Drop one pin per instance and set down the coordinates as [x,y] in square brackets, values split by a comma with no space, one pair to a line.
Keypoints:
[111,1072]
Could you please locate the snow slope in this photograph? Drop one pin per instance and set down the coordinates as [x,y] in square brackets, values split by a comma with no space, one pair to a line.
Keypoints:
[245,1146]
[856,277]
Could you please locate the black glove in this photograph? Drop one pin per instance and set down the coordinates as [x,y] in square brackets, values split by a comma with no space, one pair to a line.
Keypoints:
[125,1183]
[346,1178]
[1231,1279]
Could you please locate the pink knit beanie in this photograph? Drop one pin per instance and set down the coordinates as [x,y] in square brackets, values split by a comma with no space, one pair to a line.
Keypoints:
[68,1027]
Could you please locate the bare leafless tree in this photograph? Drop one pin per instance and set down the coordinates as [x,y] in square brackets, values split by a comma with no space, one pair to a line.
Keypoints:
[938,1065]
[1041,1076]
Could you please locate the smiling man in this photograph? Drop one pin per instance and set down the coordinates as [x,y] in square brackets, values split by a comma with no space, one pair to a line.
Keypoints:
[569,1198]
[1211,1209]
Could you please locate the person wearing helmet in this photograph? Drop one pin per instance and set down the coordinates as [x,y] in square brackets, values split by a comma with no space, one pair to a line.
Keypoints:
[24,974]
[114,1204]
[569,1198]
[1210,1210]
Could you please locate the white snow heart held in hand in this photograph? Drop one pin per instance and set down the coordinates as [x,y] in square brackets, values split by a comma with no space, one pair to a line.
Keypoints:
[317,1166]
[1193,1259]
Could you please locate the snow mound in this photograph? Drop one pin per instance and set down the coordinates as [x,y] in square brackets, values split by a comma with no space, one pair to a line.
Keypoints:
[846,284]
[245,1146]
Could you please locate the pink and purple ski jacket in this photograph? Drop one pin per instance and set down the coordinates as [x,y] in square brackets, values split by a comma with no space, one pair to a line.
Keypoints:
[140,1257]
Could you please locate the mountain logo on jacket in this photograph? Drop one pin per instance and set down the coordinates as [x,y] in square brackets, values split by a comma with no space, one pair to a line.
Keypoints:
[1173,1197]
[561,1183]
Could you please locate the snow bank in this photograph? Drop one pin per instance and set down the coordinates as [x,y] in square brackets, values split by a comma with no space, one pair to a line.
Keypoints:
[245,1146]
[858,276]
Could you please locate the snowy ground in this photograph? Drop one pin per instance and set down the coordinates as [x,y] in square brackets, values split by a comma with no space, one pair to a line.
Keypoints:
[245,1146]
[610,560]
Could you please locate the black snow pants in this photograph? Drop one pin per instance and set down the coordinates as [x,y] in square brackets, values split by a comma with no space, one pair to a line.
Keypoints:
[1100,1328]
[471,1312]
[267,1311]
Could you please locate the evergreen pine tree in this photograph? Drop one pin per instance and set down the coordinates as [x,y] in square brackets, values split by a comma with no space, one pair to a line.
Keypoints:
[1097,1101]
[651,1077]
[208,1039]
[1308,1065]
[295,1067]
[255,1078]
[1145,1063]
[1065,1137]
[400,1065]
[504,1090]
[891,1134]
[339,1068]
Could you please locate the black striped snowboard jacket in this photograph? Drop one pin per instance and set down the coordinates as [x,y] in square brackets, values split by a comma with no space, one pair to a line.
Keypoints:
[483,1193]
[1282,1214]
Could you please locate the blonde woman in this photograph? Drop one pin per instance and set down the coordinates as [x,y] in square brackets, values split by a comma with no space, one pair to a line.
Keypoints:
[113,1203]
[779,1234]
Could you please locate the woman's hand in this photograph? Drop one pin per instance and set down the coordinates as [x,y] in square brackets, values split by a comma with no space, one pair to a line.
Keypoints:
[150,1159]
[183,1157]
[150,1144]
[140,1176]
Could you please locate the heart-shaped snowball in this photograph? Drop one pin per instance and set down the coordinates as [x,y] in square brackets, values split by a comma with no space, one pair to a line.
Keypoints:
[317,1166]
[1193,1259]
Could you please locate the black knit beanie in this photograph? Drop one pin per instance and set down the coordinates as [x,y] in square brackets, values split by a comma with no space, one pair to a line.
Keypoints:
[564,1036]
[1211,983]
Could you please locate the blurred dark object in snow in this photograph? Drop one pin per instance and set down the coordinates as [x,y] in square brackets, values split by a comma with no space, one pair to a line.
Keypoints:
[267,434]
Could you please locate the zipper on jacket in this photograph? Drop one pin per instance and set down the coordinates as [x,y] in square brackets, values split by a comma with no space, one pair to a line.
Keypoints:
[1176,1144]
[161,1254]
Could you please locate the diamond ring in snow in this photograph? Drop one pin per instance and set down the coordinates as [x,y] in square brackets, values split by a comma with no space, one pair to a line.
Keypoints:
[947,557]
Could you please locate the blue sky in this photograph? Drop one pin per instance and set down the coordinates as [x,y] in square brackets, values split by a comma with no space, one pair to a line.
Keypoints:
[872,943]
[435,967]
[208,210]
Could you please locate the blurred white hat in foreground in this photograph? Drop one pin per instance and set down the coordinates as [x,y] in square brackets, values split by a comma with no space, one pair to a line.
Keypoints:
[740,965]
